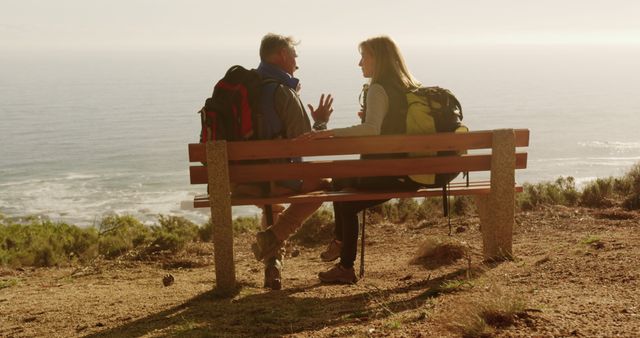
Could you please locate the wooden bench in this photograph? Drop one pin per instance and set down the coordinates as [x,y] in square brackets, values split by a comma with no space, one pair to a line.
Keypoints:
[226,165]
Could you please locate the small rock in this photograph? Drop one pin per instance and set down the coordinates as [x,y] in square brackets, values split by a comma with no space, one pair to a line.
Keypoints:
[295,253]
[407,277]
[542,260]
[29,319]
[99,324]
[167,280]
[460,229]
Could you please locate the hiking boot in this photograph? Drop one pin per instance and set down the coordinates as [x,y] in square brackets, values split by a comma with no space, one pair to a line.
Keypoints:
[266,245]
[272,274]
[338,274]
[332,252]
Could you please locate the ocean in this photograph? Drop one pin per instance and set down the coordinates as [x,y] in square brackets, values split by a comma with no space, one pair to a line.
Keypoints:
[86,134]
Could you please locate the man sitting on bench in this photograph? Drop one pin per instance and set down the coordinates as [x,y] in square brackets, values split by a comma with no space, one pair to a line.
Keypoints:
[278,61]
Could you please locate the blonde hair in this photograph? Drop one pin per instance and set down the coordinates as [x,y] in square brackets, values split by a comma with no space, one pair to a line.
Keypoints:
[390,65]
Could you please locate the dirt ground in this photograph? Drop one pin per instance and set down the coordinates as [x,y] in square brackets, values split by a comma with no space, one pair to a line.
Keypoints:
[575,273]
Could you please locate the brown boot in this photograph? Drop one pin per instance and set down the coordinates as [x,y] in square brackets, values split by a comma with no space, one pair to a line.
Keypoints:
[332,252]
[339,274]
[266,245]
[272,274]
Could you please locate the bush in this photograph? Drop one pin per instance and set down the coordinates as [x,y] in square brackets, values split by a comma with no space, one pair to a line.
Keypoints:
[598,193]
[205,232]
[45,243]
[172,233]
[562,191]
[244,224]
[632,202]
[408,210]
[463,205]
[318,228]
[631,181]
[119,234]
[632,178]
[241,225]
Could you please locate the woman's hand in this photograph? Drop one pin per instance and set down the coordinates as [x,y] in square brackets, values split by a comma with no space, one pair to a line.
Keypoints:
[324,110]
[313,135]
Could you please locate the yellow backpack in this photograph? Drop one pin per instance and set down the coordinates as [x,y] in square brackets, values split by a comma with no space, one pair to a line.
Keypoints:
[434,110]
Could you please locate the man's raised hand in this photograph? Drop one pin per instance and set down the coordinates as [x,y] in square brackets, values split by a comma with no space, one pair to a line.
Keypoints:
[324,110]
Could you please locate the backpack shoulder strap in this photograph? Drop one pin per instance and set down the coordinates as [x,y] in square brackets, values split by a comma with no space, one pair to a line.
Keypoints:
[271,123]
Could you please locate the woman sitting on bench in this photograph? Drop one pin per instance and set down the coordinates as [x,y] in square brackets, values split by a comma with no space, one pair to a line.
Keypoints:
[384,113]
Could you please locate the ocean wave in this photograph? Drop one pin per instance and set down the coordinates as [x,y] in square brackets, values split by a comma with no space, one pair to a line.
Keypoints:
[82,199]
[615,145]
[588,160]
[78,176]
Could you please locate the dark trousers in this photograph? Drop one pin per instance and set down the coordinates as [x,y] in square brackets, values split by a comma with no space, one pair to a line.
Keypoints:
[346,213]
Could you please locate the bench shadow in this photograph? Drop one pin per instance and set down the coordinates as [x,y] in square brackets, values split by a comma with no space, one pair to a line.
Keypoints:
[277,313]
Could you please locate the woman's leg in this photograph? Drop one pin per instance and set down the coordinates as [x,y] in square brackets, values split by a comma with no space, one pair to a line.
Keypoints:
[347,215]
[350,228]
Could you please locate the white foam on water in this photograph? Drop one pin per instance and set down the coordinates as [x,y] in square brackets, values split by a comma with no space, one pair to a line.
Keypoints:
[84,198]
[614,145]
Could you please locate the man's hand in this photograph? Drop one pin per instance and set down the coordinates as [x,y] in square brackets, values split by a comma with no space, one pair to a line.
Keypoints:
[324,110]
[314,135]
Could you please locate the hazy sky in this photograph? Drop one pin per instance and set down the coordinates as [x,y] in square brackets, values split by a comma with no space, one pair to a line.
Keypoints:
[211,24]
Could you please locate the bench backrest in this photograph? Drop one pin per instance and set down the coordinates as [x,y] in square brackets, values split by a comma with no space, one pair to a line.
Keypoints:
[243,172]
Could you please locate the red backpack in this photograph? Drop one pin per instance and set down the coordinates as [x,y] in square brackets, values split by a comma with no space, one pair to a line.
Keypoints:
[233,112]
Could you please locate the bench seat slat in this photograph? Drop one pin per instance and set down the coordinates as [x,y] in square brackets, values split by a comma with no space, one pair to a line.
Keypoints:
[356,145]
[202,201]
[354,168]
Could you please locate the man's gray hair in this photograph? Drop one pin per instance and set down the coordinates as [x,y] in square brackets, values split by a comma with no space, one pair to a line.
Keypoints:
[273,43]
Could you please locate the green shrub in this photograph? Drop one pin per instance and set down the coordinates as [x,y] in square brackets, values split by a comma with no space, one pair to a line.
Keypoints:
[244,224]
[318,228]
[631,181]
[119,234]
[415,210]
[172,233]
[632,202]
[405,210]
[632,178]
[205,232]
[45,243]
[241,225]
[562,192]
[463,205]
[598,193]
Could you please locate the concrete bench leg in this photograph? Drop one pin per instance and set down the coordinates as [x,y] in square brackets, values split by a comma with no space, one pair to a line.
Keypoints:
[220,201]
[497,210]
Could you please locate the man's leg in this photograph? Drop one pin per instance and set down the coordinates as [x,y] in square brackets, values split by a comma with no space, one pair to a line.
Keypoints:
[273,265]
[288,222]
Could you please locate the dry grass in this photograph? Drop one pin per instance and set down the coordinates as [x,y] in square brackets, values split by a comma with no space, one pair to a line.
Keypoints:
[438,251]
[483,316]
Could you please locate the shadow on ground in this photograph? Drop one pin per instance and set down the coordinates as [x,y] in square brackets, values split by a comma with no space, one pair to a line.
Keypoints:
[279,312]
